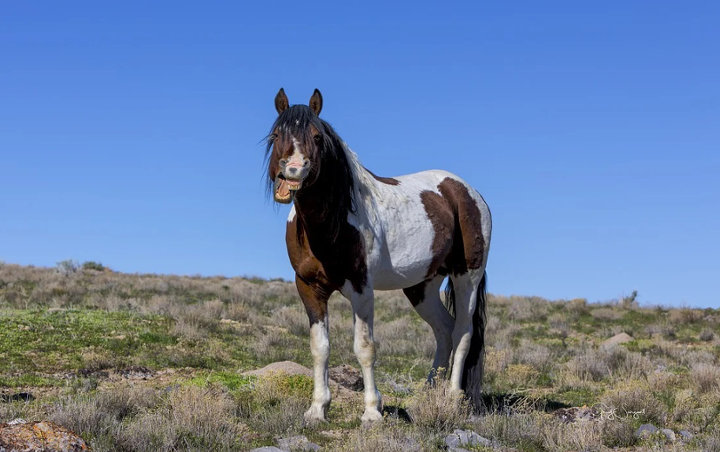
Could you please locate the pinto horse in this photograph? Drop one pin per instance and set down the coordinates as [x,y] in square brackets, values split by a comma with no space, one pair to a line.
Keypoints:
[352,231]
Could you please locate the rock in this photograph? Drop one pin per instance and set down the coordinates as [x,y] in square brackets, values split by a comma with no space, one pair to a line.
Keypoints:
[287,367]
[685,435]
[295,443]
[460,438]
[17,397]
[399,388]
[669,434]
[293,368]
[620,338]
[137,373]
[40,436]
[645,430]
[267,449]
[574,413]
[17,421]
[347,376]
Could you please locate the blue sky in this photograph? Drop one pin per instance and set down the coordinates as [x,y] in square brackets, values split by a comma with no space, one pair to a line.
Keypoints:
[130,132]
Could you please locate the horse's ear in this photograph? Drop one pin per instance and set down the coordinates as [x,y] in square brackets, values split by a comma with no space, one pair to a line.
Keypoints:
[316,102]
[281,101]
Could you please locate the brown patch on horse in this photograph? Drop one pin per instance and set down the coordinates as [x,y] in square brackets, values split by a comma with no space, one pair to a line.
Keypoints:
[324,264]
[468,218]
[441,217]
[458,244]
[416,293]
[384,180]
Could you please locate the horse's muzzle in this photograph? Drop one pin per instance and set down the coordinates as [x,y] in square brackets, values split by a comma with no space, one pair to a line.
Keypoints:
[284,189]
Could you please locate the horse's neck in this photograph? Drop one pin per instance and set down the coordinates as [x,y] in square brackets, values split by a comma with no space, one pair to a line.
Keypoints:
[318,213]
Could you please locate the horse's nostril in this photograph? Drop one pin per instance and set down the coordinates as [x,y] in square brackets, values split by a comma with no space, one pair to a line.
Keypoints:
[283,162]
[292,170]
[307,163]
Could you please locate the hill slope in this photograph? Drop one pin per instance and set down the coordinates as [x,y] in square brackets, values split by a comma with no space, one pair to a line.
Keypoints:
[151,362]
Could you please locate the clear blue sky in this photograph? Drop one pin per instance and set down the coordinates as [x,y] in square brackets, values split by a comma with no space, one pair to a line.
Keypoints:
[130,131]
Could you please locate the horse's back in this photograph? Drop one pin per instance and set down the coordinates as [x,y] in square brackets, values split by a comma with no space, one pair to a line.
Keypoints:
[417,226]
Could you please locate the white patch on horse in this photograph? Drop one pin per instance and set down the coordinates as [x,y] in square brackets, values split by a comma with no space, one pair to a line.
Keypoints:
[297,158]
[292,214]
[320,350]
[364,346]
[392,219]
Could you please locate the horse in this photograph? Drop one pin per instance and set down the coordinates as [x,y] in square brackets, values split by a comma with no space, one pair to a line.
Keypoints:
[352,231]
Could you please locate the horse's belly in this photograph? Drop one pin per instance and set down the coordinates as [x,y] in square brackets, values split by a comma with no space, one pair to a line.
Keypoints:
[405,259]
[400,278]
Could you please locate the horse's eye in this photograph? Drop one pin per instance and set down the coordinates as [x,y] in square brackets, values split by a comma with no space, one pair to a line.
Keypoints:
[317,138]
[272,137]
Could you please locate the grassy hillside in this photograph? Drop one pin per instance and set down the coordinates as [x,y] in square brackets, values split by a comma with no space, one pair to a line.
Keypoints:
[150,362]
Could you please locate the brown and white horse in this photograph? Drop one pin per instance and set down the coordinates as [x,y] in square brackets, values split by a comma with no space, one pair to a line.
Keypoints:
[352,231]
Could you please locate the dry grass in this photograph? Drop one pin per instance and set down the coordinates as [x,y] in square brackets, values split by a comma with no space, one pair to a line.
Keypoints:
[705,377]
[208,329]
[438,408]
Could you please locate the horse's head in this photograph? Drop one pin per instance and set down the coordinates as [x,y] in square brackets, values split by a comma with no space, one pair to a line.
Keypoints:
[295,146]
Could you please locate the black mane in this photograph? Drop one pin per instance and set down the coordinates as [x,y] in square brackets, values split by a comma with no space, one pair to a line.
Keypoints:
[330,182]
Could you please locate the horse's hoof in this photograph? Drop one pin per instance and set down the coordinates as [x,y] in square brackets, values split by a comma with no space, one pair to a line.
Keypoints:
[371,416]
[314,416]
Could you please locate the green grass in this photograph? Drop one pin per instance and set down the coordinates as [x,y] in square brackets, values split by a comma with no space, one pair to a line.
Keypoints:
[61,335]
[51,341]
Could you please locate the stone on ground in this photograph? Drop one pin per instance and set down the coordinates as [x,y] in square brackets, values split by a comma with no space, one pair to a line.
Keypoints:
[458,439]
[297,443]
[645,430]
[41,436]
[618,339]
[283,367]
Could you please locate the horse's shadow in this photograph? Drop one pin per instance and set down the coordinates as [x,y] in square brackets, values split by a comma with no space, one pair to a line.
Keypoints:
[493,403]
[513,402]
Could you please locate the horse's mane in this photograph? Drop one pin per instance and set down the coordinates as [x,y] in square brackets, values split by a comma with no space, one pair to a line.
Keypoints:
[332,171]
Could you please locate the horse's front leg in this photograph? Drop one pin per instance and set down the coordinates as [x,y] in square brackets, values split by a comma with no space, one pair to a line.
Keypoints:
[364,345]
[315,299]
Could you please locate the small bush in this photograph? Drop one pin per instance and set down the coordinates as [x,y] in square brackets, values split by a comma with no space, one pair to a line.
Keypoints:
[90,265]
[67,267]
[190,418]
[438,408]
[388,436]
[275,404]
[606,314]
[634,401]
[577,306]
[705,377]
[685,316]
[707,335]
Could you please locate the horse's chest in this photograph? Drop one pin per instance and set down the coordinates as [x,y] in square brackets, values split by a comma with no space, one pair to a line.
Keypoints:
[321,259]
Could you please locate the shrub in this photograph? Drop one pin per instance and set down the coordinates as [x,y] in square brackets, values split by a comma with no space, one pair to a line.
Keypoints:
[705,377]
[388,436]
[275,404]
[91,265]
[636,401]
[707,335]
[190,418]
[67,267]
[438,408]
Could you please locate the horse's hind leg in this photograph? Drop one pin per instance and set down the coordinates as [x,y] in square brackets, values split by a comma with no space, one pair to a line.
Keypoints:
[466,287]
[425,298]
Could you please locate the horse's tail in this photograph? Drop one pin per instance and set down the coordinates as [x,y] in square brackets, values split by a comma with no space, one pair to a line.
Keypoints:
[475,360]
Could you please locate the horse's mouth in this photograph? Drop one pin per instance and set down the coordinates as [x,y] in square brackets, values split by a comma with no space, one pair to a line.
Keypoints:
[284,189]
